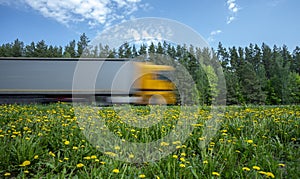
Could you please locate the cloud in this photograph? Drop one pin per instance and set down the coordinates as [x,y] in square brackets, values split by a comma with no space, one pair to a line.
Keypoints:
[211,38]
[233,10]
[93,12]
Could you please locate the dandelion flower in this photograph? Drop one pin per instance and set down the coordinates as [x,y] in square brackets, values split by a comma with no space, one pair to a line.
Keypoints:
[269,174]
[79,165]
[256,168]
[7,174]
[175,156]
[52,154]
[246,169]
[67,142]
[281,165]
[142,176]
[181,165]
[249,141]
[216,174]
[116,170]
[25,163]
[36,157]
[205,162]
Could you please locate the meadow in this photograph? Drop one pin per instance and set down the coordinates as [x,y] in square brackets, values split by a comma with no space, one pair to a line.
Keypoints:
[51,141]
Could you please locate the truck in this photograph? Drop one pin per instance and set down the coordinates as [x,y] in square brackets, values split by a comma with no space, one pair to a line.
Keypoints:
[98,80]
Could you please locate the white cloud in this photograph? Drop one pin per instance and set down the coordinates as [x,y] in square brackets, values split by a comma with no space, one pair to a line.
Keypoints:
[215,32]
[233,10]
[211,38]
[94,12]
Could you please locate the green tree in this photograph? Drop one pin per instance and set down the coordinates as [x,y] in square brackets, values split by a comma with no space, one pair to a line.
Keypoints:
[82,44]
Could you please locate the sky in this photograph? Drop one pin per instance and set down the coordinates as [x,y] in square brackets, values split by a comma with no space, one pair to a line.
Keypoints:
[231,22]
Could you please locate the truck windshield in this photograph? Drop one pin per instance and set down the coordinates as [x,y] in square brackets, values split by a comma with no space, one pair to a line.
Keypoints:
[163,75]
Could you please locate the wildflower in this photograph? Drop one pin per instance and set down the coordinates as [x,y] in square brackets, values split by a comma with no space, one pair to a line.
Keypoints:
[293,139]
[246,169]
[93,157]
[262,172]
[181,165]
[87,158]
[205,162]
[117,148]
[142,176]
[66,158]
[52,154]
[164,144]
[36,157]
[131,156]
[25,163]
[216,174]
[75,148]
[25,128]
[256,168]
[281,165]
[249,141]
[7,174]
[79,165]
[102,163]
[116,170]
[182,159]
[67,142]
[269,174]
[183,154]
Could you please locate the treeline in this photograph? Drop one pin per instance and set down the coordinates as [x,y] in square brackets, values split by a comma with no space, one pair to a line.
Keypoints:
[253,74]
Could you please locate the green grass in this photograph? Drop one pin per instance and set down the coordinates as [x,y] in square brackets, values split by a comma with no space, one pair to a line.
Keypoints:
[53,138]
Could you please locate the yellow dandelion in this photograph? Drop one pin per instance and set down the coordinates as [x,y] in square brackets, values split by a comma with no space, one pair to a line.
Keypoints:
[87,158]
[79,165]
[281,165]
[67,142]
[142,176]
[25,163]
[183,154]
[7,174]
[256,167]
[131,156]
[216,174]
[269,174]
[52,154]
[182,159]
[116,170]
[175,156]
[93,157]
[181,165]
[102,163]
[66,158]
[75,148]
[249,141]
[205,162]
[246,169]
[36,157]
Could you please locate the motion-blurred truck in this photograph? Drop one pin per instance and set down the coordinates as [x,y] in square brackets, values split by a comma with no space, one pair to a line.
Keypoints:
[103,81]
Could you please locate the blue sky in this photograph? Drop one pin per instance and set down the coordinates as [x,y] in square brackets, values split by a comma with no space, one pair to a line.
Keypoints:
[232,22]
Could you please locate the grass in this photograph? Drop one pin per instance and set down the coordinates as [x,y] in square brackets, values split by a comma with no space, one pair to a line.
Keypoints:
[58,141]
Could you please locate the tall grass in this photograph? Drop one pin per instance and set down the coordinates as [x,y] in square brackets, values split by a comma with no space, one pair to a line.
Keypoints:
[48,141]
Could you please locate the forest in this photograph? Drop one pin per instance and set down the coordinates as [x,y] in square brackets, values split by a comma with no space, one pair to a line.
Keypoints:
[256,74]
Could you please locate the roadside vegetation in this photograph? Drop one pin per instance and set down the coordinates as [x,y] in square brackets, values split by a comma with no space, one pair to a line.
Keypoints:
[47,141]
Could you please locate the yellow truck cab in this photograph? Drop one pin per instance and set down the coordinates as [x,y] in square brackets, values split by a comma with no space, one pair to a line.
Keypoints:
[153,85]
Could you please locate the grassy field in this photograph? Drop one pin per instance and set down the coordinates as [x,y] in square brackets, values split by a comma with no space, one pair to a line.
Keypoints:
[50,141]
